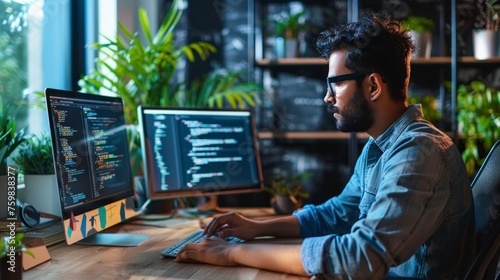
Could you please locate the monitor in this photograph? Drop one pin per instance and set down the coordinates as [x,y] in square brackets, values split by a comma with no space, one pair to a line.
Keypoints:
[199,152]
[92,166]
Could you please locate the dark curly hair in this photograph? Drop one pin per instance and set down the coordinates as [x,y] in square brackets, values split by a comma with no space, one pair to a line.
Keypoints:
[375,43]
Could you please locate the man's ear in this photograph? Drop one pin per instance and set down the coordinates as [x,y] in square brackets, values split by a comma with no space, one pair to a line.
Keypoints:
[375,86]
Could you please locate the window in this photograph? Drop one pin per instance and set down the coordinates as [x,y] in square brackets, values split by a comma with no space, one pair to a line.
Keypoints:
[45,43]
[13,54]
[36,52]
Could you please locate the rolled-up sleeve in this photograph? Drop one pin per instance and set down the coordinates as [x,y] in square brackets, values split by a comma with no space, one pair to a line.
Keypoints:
[313,253]
[321,224]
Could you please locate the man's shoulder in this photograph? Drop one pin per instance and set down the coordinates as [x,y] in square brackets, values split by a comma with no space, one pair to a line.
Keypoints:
[421,137]
[423,131]
[415,134]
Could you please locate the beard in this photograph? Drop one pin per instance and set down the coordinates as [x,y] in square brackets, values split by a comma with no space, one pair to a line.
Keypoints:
[356,116]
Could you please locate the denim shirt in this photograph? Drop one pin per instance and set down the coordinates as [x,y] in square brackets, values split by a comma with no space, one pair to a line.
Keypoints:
[406,211]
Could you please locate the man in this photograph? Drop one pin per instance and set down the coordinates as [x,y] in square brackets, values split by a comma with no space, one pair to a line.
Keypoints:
[407,209]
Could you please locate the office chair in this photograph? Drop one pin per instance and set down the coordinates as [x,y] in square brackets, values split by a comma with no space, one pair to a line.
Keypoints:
[486,196]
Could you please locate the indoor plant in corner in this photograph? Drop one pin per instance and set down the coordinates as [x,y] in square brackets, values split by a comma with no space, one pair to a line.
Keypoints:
[421,34]
[35,162]
[147,73]
[287,191]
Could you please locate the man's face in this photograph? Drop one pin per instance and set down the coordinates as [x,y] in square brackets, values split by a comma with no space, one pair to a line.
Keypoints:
[348,103]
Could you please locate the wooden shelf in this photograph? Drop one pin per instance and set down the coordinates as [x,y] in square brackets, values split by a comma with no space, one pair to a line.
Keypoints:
[308,135]
[447,60]
[291,61]
[417,61]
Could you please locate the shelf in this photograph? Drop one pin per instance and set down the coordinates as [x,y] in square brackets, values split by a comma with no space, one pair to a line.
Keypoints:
[334,135]
[417,61]
[291,61]
[447,60]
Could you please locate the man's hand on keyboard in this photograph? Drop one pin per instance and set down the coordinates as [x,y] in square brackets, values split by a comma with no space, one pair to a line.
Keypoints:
[232,224]
[211,250]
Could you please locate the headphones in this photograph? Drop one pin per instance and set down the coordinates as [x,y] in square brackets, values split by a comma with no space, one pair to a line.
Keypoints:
[29,215]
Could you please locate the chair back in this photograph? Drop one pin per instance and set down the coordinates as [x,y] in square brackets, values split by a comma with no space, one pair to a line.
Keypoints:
[486,196]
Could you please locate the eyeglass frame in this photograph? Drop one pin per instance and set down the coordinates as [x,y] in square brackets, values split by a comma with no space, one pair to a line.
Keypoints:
[341,78]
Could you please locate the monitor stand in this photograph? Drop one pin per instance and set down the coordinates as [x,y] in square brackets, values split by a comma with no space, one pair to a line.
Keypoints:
[114,239]
[207,207]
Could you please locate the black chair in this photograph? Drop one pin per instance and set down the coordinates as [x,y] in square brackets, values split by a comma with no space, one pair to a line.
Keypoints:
[486,195]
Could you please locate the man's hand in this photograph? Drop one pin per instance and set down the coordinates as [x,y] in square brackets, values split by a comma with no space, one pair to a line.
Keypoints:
[232,224]
[211,250]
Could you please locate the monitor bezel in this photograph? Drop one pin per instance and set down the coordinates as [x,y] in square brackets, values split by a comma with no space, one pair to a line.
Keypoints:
[152,195]
[96,204]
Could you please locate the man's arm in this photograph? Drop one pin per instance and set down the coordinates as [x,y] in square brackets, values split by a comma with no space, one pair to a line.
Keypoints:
[280,258]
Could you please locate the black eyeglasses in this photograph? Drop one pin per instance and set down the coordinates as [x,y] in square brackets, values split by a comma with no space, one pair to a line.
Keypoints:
[331,81]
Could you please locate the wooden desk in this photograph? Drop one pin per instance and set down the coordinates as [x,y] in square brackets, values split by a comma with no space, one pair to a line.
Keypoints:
[142,262]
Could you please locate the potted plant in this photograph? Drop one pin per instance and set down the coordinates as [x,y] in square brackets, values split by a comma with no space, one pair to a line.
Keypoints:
[11,253]
[145,74]
[287,191]
[287,29]
[485,35]
[420,29]
[35,161]
[478,122]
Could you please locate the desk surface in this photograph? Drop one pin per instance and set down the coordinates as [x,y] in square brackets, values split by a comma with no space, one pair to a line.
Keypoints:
[143,261]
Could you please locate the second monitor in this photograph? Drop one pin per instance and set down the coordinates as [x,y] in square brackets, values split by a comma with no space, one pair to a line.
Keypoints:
[193,152]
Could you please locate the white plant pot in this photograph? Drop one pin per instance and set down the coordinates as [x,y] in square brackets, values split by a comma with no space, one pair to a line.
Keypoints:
[42,193]
[423,44]
[484,42]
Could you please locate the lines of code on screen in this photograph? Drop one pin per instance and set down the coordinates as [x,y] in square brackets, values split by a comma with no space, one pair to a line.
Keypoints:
[195,151]
[91,149]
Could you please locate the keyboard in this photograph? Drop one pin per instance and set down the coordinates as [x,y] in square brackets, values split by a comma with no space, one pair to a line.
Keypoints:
[195,237]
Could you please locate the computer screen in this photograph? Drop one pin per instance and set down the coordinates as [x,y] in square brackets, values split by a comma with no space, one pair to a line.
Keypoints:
[193,151]
[91,161]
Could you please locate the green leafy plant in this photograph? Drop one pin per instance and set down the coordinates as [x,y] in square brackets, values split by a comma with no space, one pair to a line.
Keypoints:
[16,242]
[418,24]
[288,185]
[143,74]
[35,156]
[219,86]
[139,73]
[489,15]
[9,138]
[429,108]
[289,25]
[478,121]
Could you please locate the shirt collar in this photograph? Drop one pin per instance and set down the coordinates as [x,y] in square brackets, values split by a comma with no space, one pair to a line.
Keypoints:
[391,134]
